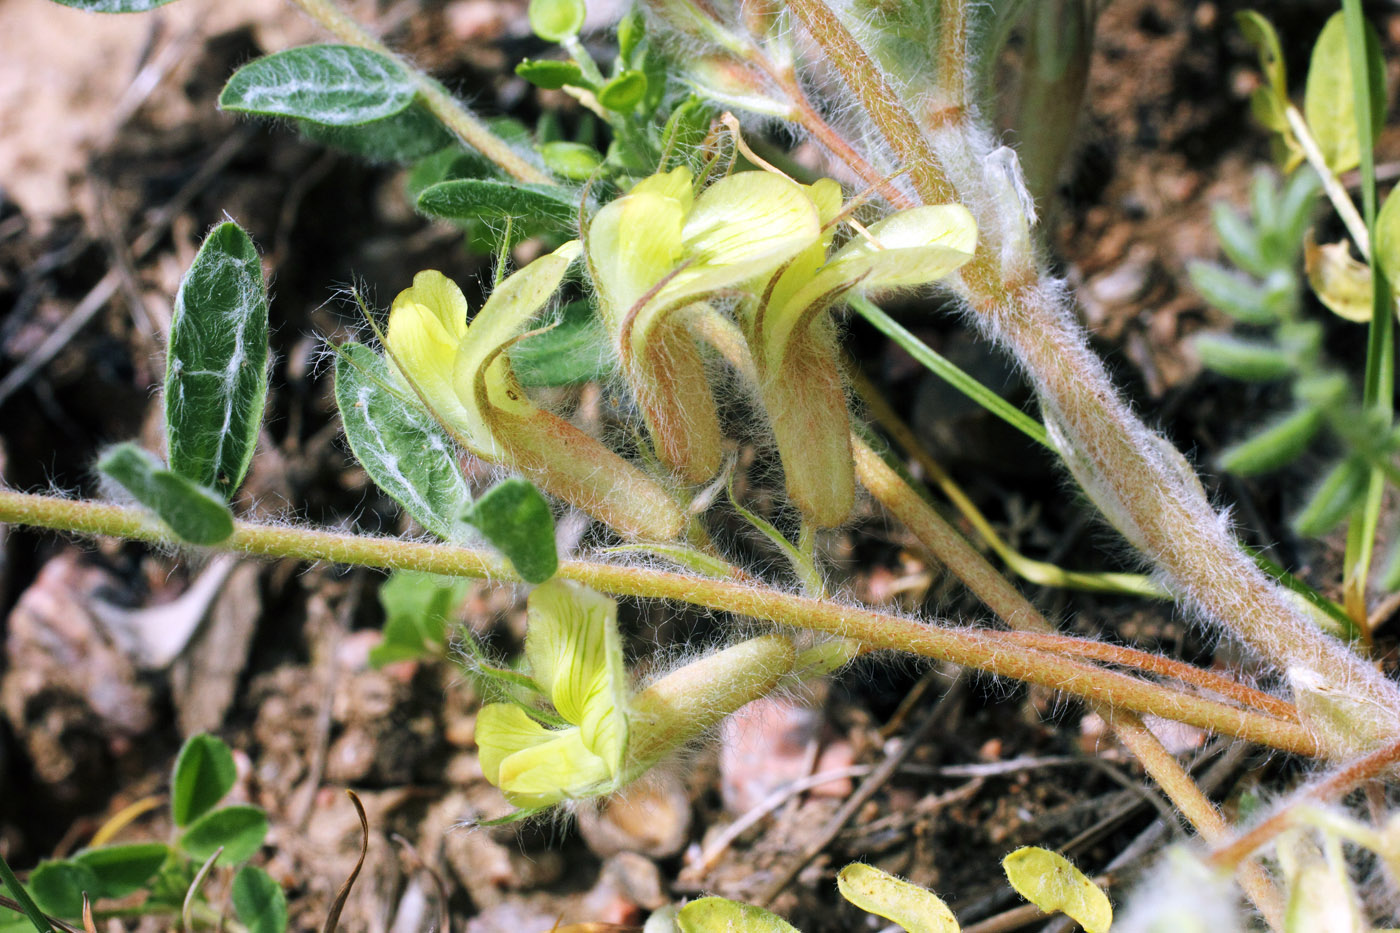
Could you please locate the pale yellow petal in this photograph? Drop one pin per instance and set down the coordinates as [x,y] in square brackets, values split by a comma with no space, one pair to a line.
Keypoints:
[502,729]
[553,771]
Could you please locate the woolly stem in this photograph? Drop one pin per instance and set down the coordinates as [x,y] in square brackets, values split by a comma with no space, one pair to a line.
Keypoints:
[457,118]
[867,81]
[1151,494]
[987,651]
[1033,629]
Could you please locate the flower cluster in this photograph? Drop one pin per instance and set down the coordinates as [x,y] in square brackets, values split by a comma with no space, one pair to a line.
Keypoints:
[662,258]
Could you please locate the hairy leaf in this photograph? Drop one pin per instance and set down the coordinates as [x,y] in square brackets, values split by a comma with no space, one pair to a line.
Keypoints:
[410,134]
[720,915]
[485,199]
[337,85]
[517,520]
[575,350]
[405,452]
[1050,882]
[216,371]
[196,514]
[908,905]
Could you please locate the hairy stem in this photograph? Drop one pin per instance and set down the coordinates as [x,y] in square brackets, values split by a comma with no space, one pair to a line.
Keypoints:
[988,651]
[1007,602]
[867,81]
[443,105]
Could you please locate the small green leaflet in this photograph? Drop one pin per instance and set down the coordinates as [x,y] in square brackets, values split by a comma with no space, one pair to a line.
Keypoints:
[517,520]
[335,85]
[401,447]
[58,886]
[196,514]
[258,901]
[544,206]
[1330,103]
[216,371]
[240,830]
[910,906]
[576,349]
[114,6]
[204,773]
[417,610]
[123,870]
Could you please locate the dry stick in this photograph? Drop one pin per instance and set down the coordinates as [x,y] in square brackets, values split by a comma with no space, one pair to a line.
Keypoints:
[983,649]
[443,105]
[1013,608]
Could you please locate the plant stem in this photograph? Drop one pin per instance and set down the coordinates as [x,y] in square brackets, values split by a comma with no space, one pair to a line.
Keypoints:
[1331,788]
[984,650]
[999,595]
[457,118]
[1331,184]
[1380,342]
[881,101]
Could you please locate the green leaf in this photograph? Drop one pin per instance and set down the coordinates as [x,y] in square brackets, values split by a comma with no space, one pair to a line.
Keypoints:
[114,6]
[1330,105]
[410,134]
[337,85]
[556,20]
[417,610]
[1240,241]
[258,901]
[1388,239]
[884,895]
[550,74]
[204,773]
[518,522]
[1341,490]
[239,829]
[1260,33]
[540,206]
[123,870]
[196,514]
[623,92]
[401,447]
[573,161]
[1246,360]
[1050,882]
[720,915]
[58,887]
[1240,297]
[33,917]
[574,350]
[216,371]
[1278,444]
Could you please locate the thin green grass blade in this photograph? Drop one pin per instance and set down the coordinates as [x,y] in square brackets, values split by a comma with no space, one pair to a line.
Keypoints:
[946,370]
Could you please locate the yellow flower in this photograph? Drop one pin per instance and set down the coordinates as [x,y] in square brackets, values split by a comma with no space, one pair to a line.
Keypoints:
[463,375]
[660,249]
